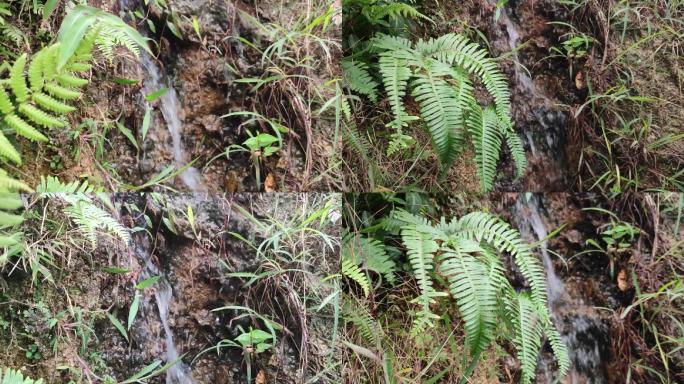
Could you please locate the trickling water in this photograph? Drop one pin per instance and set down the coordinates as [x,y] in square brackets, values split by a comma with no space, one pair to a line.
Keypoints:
[530,215]
[545,133]
[179,373]
[583,333]
[170,108]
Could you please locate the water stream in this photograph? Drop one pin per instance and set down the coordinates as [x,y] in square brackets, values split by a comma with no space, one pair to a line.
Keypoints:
[171,109]
[158,340]
[543,125]
[582,331]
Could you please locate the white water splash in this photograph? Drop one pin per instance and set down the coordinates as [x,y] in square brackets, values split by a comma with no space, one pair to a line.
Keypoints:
[170,108]
[178,373]
[530,220]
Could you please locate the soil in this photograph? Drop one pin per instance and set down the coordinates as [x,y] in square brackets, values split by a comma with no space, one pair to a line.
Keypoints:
[196,261]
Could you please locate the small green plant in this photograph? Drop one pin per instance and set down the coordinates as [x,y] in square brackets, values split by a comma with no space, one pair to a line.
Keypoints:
[32,353]
[574,48]
[259,145]
[437,73]
[11,376]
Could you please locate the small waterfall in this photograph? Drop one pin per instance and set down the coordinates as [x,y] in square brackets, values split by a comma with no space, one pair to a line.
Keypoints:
[530,219]
[582,331]
[544,133]
[171,109]
[179,373]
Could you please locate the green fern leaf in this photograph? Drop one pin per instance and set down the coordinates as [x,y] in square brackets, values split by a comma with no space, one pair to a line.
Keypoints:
[439,109]
[359,79]
[484,128]
[10,220]
[560,350]
[6,106]
[68,80]
[476,298]
[420,249]
[499,234]
[23,128]
[39,117]
[17,80]
[16,377]
[395,75]
[10,201]
[9,184]
[352,271]
[517,152]
[60,92]
[455,49]
[51,104]
[527,333]
[8,151]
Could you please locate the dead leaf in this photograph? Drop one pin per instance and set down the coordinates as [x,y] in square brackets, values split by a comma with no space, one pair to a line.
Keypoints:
[261,378]
[579,80]
[270,183]
[622,283]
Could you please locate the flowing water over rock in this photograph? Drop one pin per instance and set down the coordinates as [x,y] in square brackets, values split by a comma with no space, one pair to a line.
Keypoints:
[581,328]
[171,109]
[536,114]
[178,373]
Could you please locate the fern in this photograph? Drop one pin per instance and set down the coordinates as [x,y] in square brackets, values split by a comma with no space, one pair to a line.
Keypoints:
[352,271]
[370,254]
[484,129]
[382,12]
[90,219]
[10,202]
[359,79]
[438,73]
[467,252]
[527,332]
[12,376]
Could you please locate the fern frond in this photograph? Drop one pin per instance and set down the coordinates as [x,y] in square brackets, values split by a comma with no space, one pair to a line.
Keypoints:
[370,253]
[395,75]
[357,313]
[420,249]
[17,80]
[68,80]
[6,106]
[39,117]
[439,109]
[475,295]
[527,333]
[455,49]
[110,37]
[35,71]
[60,92]
[11,376]
[10,201]
[8,184]
[23,128]
[359,79]
[352,271]
[560,350]
[499,234]
[51,104]
[8,151]
[93,220]
[10,220]
[517,152]
[392,11]
[484,129]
